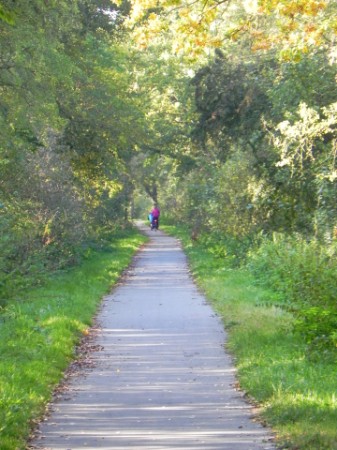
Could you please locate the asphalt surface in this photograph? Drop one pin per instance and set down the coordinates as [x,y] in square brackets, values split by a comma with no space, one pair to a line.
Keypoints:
[160,377]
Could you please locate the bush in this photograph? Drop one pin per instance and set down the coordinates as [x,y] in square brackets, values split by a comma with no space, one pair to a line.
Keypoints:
[36,241]
[304,273]
[233,250]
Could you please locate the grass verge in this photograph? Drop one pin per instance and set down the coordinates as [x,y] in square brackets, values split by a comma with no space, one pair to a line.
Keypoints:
[38,335]
[297,397]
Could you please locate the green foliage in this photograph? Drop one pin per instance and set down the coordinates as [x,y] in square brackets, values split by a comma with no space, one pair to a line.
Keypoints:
[264,140]
[38,334]
[236,145]
[6,16]
[68,133]
[229,97]
[230,250]
[304,275]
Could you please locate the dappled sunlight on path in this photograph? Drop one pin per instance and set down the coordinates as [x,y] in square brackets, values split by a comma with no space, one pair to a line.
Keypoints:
[161,379]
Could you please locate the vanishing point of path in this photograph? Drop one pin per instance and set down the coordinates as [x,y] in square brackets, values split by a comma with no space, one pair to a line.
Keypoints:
[161,379]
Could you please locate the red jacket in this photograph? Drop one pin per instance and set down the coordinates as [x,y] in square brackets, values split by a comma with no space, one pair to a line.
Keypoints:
[155,213]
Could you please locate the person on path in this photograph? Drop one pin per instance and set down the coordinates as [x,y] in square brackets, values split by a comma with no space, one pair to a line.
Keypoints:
[155,213]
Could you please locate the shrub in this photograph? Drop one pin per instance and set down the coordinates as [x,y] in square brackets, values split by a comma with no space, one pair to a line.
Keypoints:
[304,273]
[233,250]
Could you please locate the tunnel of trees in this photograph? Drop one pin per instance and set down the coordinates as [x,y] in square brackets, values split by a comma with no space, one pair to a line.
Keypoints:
[222,111]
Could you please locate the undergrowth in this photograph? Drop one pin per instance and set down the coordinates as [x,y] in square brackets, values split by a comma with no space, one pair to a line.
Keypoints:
[304,273]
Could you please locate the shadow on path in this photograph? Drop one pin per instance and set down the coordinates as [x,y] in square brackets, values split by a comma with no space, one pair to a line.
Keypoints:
[161,379]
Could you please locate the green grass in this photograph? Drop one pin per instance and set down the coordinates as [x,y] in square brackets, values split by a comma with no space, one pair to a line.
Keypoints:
[38,335]
[296,396]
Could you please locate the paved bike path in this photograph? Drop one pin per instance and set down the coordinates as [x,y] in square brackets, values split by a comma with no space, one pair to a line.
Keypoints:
[161,379]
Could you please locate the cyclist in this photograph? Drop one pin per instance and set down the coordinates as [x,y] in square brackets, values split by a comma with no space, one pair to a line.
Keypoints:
[155,213]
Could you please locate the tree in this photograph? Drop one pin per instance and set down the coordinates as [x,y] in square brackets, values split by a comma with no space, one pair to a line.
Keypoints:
[70,125]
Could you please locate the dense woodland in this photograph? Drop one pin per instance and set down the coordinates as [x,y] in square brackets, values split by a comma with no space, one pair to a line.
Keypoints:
[224,112]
